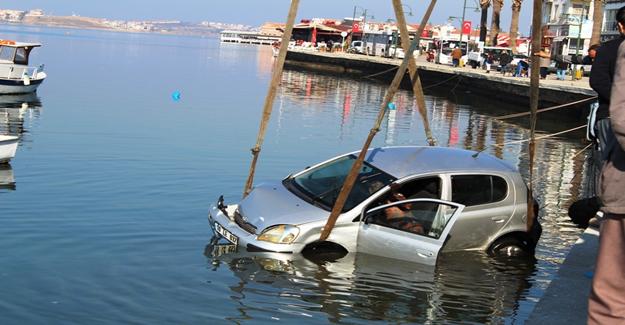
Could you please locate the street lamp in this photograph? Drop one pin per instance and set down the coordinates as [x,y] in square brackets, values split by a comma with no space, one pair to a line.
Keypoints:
[364,19]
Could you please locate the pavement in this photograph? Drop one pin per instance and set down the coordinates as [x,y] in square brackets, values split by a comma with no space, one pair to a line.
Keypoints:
[566,299]
[580,86]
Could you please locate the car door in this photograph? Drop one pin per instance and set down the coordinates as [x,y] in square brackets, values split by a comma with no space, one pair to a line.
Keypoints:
[418,235]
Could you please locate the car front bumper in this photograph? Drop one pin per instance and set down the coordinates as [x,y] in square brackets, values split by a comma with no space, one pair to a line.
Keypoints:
[218,219]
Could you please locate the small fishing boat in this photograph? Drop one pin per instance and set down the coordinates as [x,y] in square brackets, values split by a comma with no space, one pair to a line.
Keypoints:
[16,76]
[8,147]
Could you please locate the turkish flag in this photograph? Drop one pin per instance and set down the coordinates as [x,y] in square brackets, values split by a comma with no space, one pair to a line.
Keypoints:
[466,27]
[356,28]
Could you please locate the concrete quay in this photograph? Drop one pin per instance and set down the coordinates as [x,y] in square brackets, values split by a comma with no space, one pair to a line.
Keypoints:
[494,85]
[566,299]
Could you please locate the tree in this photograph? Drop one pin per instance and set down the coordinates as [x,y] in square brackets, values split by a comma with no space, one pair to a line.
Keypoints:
[484,4]
[597,21]
[514,23]
[494,24]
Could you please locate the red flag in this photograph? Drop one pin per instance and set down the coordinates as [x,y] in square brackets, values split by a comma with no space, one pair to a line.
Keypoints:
[466,27]
[313,37]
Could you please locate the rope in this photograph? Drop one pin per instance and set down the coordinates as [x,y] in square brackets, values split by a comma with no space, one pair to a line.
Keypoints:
[442,82]
[540,138]
[379,73]
[586,148]
[546,109]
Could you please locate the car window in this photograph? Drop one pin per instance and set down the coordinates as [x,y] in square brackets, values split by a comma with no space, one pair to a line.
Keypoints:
[421,188]
[473,190]
[322,184]
[419,218]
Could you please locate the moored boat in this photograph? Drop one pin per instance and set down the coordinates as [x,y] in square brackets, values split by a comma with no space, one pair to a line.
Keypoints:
[8,147]
[16,76]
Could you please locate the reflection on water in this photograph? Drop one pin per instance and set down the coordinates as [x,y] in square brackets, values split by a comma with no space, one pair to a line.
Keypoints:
[482,290]
[108,221]
[17,112]
[468,287]
[7,180]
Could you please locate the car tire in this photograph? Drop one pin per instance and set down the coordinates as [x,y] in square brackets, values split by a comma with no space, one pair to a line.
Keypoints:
[510,246]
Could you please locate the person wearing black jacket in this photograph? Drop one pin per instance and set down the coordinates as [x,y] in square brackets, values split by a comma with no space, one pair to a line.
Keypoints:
[601,77]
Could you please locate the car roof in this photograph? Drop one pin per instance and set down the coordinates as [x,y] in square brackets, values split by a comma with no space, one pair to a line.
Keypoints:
[401,162]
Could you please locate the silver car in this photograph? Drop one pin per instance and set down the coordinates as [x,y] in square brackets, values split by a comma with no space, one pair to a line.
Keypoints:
[408,203]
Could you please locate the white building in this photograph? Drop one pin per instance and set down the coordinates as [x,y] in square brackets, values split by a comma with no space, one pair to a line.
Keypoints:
[569,25]
[610,30]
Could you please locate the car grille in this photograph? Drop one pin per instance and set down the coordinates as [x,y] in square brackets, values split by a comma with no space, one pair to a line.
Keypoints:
[244,224]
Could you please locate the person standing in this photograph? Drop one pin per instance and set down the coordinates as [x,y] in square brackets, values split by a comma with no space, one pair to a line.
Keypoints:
[600,132]
[601,77]
[456,55]
[561,67]
[606,304]
[545,61]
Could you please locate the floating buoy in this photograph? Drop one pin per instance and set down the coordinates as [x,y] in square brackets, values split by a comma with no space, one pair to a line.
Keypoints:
[175,96]
[392,106]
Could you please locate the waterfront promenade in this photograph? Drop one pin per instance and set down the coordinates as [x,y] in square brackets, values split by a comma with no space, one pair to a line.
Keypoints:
[505,88]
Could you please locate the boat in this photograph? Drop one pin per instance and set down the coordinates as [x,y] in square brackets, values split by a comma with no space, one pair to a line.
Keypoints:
[8,147]
[16,76]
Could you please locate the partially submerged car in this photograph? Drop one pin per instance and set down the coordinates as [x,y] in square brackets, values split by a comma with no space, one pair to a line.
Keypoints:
[407,203]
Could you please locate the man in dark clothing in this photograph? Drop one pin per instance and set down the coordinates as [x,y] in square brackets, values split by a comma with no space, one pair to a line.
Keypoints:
[601,77]
[592,54]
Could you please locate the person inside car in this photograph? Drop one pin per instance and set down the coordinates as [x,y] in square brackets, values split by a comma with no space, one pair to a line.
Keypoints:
[400,216]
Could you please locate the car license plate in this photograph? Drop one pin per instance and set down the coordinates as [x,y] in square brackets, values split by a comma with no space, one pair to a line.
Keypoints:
[226,234]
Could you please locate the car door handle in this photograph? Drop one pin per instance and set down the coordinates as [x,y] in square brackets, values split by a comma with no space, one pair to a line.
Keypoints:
[425,254]
[498,219]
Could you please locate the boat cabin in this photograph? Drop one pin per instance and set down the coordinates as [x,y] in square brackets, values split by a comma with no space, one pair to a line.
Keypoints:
[12,52]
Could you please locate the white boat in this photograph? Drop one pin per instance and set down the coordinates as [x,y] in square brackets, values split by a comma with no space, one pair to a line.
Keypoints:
[8,147]
[16,76]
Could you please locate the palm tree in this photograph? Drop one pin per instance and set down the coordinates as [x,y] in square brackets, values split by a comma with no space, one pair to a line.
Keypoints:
[484,4]
[494,24]
[597,21]
[514,23]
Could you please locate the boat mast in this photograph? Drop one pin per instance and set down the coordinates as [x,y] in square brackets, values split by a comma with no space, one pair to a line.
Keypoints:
[271,94]
[390,93]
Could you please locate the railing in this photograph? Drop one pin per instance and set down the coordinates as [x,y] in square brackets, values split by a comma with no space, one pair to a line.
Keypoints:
[18,72]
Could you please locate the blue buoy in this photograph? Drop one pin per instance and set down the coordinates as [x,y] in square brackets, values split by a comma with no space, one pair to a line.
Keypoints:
[392,106]
[175,96]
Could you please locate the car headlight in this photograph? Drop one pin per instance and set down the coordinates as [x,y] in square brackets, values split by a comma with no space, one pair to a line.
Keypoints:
[279,234]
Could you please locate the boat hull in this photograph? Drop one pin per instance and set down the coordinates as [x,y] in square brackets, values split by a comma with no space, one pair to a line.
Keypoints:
[8,147]
[17,86]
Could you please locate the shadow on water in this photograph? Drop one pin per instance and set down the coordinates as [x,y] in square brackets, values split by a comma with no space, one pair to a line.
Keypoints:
[462,287]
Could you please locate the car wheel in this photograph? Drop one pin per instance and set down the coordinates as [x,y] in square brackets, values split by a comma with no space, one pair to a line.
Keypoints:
[509,246]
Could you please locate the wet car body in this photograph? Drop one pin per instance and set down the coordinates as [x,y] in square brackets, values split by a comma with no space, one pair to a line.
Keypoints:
[477,202]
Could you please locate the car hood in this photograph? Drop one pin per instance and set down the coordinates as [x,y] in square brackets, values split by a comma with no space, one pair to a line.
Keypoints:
[272,204]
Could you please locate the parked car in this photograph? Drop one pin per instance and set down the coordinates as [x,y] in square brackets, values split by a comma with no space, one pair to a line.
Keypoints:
[356,47]
[461,200]
[444,57]
[476,58]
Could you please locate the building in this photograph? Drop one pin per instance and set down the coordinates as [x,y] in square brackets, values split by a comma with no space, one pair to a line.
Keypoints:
[568,25]
[610,29]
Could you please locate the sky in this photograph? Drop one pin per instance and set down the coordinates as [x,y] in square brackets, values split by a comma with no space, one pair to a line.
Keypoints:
[255,12]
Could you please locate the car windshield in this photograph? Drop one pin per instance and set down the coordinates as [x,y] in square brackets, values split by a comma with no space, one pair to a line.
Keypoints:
[321,185]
